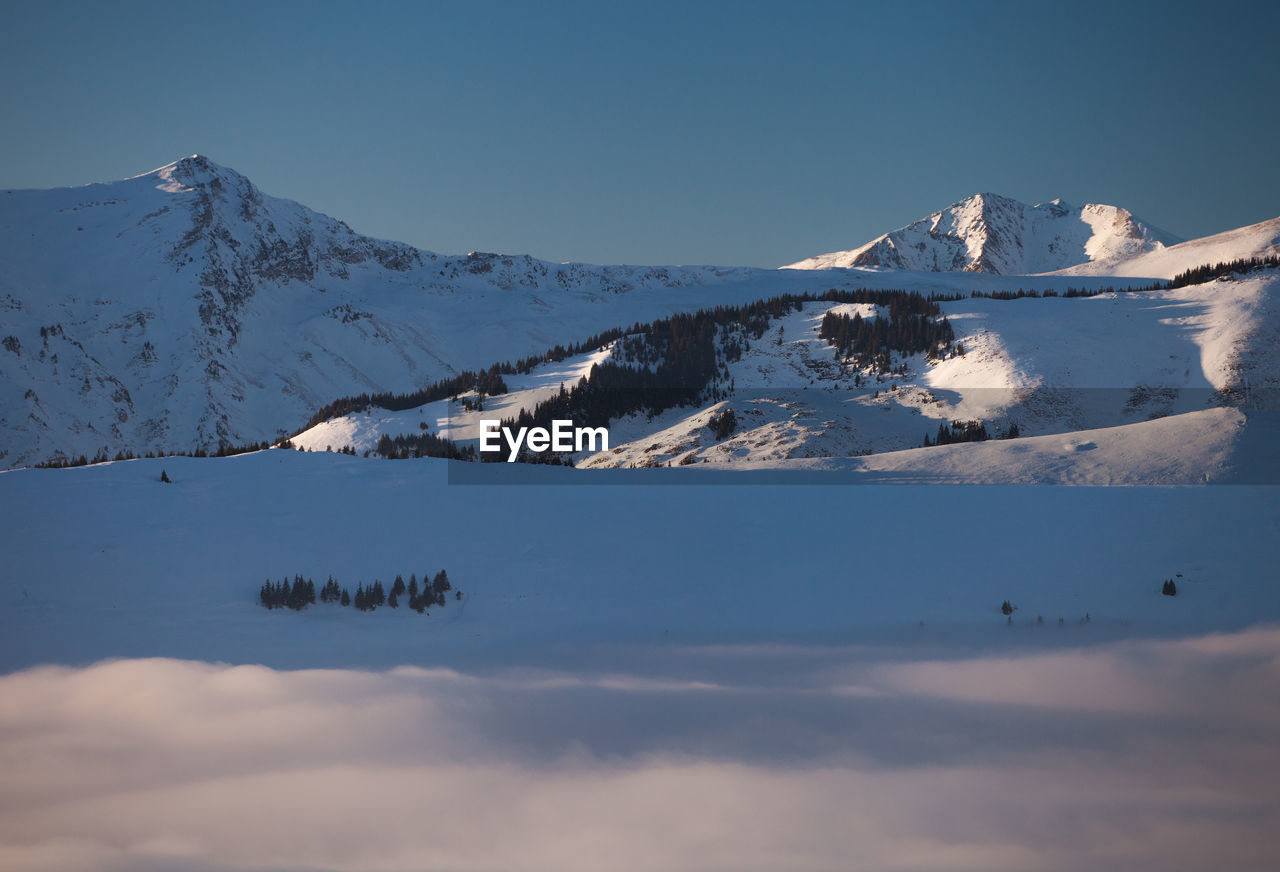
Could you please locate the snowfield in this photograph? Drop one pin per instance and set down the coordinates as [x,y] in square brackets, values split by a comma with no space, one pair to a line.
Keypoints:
[750,676]
[107,561]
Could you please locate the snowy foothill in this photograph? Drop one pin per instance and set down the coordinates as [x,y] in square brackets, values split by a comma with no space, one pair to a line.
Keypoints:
[1050,366]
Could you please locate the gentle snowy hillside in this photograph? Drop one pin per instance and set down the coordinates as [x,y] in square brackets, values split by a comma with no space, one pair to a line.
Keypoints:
[1047,365]
[993,234]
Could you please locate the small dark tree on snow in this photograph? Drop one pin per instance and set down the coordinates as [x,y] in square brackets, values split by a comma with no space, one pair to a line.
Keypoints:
[164,477]
[346,598]
[723,424]
[1006,608]
[1169,588]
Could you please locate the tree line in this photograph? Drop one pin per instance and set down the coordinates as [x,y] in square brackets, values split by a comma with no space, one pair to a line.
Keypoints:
[224,449]
[964,431]
[868,342]
[300,592]
[1242,266]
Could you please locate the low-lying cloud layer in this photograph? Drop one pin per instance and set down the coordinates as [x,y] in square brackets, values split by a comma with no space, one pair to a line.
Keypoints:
[1145,755]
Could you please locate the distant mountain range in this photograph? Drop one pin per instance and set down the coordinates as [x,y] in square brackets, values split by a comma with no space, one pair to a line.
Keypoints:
[993,234]
[183,308]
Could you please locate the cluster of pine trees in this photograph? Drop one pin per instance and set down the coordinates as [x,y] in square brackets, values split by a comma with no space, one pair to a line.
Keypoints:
[301,592]
[1169,588]
[963,431]
[406,446]
[1069,293]
[1232,267]
[868,342]
[486,383]
[723,424]
[283,595]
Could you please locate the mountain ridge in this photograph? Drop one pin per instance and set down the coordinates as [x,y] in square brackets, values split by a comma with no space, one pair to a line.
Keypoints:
[990,233]
[184,308]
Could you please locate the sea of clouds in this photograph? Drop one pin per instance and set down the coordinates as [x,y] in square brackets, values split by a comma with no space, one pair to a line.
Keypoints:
[1134,755]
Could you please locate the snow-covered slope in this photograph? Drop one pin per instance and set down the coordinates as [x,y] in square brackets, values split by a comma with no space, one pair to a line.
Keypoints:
[993,234]
[1052,366]
[185,308]
[1256,240]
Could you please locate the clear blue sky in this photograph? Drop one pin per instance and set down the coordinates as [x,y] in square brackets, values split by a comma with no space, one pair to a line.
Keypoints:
[734,133]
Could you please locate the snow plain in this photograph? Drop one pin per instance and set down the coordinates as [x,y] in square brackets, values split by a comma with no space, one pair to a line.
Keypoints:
[755,677]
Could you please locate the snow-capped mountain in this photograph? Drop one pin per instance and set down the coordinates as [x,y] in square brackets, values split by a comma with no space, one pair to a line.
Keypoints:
[993,234]
[184,308]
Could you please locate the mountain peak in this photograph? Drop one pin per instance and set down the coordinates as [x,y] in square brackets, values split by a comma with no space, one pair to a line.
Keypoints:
[989,232]
[195,171]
